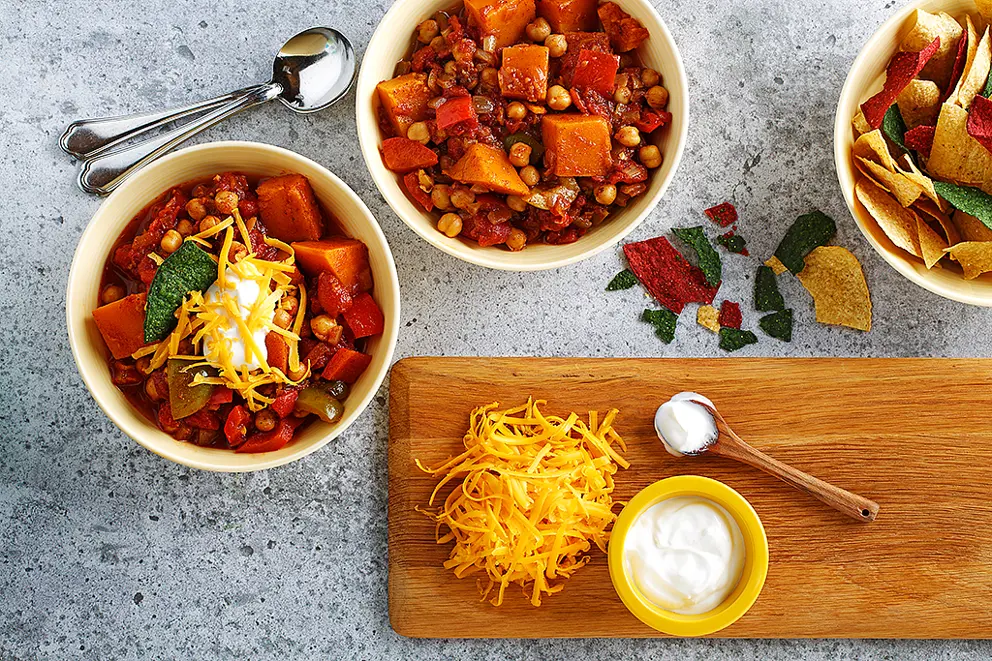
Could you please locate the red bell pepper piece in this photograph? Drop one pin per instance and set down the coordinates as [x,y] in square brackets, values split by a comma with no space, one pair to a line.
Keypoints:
[271,441]
[405,155]
[346,365]
[332,295]
[454,111]
[596,71]
[236,425]
[412,183]
[319,356]
[284,402]
[651,120]
[203,419]
[220,395]
[165,419]
[364,318]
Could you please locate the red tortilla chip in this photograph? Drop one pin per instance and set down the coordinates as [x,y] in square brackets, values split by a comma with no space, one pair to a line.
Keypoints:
[667,274]
[921,139]
[980,121]
[723,214]
[902,69]
[730,315]
[958,69]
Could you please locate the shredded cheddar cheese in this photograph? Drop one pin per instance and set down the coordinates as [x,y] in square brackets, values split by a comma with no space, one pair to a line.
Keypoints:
[535,494]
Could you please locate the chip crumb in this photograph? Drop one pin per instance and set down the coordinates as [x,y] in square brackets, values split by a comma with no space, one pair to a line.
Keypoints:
[730,315]
[833,276]
[708,317]
[732,339]
[664,322]
[776,265]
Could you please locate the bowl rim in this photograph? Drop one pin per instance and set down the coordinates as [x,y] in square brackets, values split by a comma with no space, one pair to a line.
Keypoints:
[851,91]
[138,432]
[755,562]
[369,145]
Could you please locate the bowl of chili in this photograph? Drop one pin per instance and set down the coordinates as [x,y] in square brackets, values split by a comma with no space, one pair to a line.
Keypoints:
[502,170]
[330,234]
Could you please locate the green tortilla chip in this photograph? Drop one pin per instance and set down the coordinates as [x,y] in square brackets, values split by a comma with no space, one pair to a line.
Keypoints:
[767,297]
[709,259]
[778,325]
[972,201]
[733,242]
[625,279]
[732,339]
[188,269]
[810,231]
[894,127]
[664,322]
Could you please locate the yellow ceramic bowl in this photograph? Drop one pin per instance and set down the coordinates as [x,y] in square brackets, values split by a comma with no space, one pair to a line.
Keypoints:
[755,557]
[113,215]
[390,44]
[865,79]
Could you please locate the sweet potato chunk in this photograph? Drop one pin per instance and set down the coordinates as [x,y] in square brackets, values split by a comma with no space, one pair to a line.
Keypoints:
[288,208]
[506,20]
[524,74]
[576,145]
[625,33]
[277,352]
[569,15]
[348,259]
[404,99]
[489,167]
[577,42]
[122,325]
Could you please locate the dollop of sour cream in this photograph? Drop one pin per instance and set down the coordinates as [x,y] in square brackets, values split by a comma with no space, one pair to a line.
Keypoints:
[685,554]
[684,426]
[245,292]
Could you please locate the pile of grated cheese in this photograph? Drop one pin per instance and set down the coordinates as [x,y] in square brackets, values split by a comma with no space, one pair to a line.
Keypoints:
[535,494]
[214,322]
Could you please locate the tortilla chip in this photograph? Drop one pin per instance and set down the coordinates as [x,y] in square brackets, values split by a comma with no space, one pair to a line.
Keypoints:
[776,265]
[932,210]
[902,69]
[980,121]
[927,28]
[958,68]
[985,9]
[872,147]
[708,317]
[932,245]
[971,228]
[955,155]
[860,124]
[976,70]
[975,257]
[914,174]
[904,190]
[834,278]
[898,223]
[919,103]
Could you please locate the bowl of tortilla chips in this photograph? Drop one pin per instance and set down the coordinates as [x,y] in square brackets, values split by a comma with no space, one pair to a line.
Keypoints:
[913,146]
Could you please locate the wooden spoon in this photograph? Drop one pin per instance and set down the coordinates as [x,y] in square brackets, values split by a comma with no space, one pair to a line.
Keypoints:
[729,444]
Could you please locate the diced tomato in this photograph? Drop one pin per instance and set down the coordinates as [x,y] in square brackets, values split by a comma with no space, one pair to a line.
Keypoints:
[165,419]
[346,365]
[219,396]
[412,183]
[651,120]
[284,402]
[332,295]
[423,58]
[454,111]
[405,155]
[236,426]
[319,356]
[203,419]
[272,440]
[596,71]
[364,318]
[478,228]
[146,270]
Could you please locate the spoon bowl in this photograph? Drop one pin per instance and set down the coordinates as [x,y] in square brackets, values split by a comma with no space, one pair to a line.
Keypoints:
[315,68]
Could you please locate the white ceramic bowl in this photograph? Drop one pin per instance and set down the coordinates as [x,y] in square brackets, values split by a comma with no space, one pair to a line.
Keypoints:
[113,215]
[390,44]
[865,79]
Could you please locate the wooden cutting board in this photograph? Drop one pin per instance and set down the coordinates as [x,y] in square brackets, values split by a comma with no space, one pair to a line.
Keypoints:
[915,435]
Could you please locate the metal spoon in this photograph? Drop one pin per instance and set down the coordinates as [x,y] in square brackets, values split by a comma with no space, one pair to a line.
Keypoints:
[728,444]
[312,70]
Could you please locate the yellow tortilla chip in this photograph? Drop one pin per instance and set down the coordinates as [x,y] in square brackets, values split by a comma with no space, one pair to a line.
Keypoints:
[985,9]
[919,103]
[971,228]
[860,124]
[976,71]
[975,257]
[932,245]
[927,207]
[834,278]
[708,317]
[955,155]
[914,174]
[904,190]
[872,147]
[898,223]
[972,48]
[776,265]
[928,27]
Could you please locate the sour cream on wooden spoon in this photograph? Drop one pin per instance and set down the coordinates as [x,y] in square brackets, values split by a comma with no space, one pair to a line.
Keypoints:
[684,426]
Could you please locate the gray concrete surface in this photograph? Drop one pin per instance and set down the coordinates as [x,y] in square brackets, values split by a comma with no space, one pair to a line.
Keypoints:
[109,552]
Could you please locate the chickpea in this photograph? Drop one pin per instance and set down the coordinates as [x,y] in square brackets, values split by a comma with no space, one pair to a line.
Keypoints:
[530,175]
[196,209]
[237,252]
[489,77]
[208,222]
[171,241]
[427,30]
[144,365]
[539,30]
[112,293]
[265,420]
[559,98]
[657,97]
[450,224]
[520,154]
[605,194]
[297,374]
[152,390]
[557,45]
[282,318]
[289,304]
[450,68]
[200,190]
[418,131]
[628,136]
[517,240]
[441,196]
[622,95]
[322,326]
[650,77]
[516,110]
[226,201]
[462,198]
[184,227]
[439,44]
[516,203]
[650,156]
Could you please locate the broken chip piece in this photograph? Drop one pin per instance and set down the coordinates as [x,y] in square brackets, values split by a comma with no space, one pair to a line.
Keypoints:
[833,276]
[735,243]
[625,279]
[766,294]
[975,257]
[664,322]
[708,258]
[667,274]
[730,315]
[723,214]
[809,231]
[777,267]
[732,339]
[708,317]
[778,325]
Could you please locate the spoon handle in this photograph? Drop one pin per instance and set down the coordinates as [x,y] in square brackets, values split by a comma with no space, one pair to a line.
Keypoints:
[109,169]
[87,138]
[851,504]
